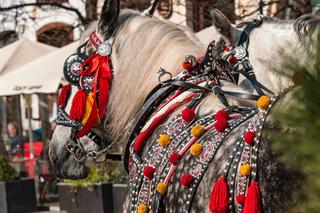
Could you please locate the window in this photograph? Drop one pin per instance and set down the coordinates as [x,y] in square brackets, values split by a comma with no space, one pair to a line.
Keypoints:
[165,8]
[52,1]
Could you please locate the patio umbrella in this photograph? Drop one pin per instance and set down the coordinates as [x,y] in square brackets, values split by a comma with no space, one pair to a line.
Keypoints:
[43,75]
[20,53]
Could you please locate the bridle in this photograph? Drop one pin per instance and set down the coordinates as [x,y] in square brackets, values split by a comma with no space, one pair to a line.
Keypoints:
[90,75]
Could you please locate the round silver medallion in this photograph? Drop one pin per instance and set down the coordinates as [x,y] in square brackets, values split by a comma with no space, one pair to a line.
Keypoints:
[240,52]
[86,83]
[104,49]
[72,68]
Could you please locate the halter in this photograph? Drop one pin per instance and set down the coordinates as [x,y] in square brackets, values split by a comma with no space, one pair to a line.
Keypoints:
[92,75]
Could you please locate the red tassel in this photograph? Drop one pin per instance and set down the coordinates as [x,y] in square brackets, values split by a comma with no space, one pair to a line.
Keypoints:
[174,158]
[148,172]
[188,114]
[249,137]
[186,179]
[222,114]
[240,199]
[64,95]
[78,107]
[219,197]
[252,203]
[221,124]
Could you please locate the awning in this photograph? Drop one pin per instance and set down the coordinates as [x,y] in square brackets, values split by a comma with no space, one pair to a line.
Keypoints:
[40,76]
[21,53]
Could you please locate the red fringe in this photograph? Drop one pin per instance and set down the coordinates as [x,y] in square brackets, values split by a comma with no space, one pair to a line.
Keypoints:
[78,107]
[140,141]
[219,198]
[64,94]
[252,203]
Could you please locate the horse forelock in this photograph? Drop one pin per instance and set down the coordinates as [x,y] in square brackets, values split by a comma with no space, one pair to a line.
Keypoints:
[142,45]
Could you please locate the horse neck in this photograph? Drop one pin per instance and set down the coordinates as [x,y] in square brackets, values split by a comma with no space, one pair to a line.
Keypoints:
[141,47]
[269,45]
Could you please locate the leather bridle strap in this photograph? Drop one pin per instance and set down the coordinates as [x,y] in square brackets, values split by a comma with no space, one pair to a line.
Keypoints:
[247,30]
[187,85]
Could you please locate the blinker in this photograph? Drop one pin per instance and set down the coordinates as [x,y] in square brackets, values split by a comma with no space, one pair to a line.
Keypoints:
[72,66]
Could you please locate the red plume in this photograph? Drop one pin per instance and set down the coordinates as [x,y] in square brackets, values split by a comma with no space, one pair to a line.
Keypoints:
[78,106]
[64,94]
[252,203]
[219,198]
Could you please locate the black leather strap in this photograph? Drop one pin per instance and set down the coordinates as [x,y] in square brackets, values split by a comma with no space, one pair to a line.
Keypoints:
[187,85]
[155,98]
[247,30]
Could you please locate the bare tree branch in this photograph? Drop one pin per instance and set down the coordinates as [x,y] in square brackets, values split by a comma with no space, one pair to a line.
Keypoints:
[83,20]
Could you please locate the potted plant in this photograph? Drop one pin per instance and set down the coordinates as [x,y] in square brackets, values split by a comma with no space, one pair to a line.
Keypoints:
[103,191]
[16,195]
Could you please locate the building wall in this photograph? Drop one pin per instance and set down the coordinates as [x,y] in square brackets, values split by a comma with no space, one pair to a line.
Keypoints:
[32,19]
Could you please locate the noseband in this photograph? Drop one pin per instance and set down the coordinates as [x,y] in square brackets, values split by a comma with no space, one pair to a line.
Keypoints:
[92,76]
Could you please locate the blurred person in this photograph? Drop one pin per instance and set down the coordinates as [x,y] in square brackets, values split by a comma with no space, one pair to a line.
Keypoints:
[13,133]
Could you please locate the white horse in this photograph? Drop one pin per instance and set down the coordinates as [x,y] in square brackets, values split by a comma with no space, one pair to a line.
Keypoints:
[142,45]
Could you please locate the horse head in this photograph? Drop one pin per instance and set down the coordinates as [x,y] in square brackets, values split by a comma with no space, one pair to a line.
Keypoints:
[140,45]
[266,41]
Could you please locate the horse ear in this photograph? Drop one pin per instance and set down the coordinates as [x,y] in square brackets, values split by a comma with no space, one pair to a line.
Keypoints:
[224,27]
[108,18]
[151,10]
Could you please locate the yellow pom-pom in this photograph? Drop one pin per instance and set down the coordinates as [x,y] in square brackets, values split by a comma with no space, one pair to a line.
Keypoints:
[164,140]
[196,149]
[245,169]
[161,188]
[263,102]
[197,130]
[142,208]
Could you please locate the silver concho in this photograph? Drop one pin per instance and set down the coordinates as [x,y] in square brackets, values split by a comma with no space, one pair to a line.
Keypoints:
[240,52]
[104,49]
[86,83]
[72,68]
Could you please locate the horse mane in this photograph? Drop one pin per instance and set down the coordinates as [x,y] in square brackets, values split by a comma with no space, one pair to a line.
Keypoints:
[302,26]
[143,45]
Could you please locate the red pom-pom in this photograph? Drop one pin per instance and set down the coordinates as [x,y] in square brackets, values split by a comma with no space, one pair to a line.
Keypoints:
[186,65]
[219,197]
[139,143]
[253,199]
[240,199]
[188,114]
[221,124]
[148,172]
[232,59]
[186,179]
[222,114]
[249,137]
[78,107]
[174,158]
[64,94]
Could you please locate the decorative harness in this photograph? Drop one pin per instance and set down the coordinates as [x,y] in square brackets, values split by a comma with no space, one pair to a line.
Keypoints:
[168,122]
[92,76]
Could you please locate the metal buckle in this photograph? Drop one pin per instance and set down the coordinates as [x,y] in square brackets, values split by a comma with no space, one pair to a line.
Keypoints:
[162,72]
